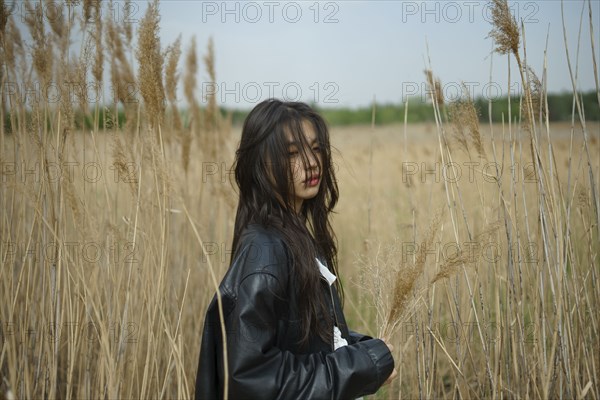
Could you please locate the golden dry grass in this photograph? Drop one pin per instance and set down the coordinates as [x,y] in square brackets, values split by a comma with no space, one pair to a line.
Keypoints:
[128,289]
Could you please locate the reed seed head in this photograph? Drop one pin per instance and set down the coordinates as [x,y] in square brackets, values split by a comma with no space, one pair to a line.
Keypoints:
[189,77]
[150,62]
[505,31]
[435,87]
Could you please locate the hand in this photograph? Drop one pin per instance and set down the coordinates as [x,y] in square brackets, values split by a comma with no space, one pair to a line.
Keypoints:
[389,345]
[394,372]
[390,378]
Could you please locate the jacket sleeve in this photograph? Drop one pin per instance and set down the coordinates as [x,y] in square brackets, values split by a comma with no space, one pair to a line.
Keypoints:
[259,369]
[356,337]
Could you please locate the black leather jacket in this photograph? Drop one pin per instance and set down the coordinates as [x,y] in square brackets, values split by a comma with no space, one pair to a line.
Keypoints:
[262,325]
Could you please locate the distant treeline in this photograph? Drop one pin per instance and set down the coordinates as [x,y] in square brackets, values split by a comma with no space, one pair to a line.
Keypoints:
[559,109]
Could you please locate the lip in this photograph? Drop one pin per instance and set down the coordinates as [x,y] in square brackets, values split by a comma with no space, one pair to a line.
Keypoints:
[313,181]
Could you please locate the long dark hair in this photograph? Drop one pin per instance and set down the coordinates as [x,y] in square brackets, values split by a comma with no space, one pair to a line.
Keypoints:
[263,173]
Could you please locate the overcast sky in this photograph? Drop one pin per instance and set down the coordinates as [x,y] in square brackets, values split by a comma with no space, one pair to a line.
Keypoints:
[345,53]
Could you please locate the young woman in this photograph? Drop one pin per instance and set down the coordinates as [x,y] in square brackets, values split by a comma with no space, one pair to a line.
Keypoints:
[286,335]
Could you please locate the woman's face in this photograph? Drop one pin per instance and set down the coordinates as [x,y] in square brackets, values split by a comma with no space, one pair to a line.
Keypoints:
[306,179]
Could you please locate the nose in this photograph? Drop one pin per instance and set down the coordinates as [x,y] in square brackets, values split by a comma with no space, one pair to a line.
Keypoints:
[312,160]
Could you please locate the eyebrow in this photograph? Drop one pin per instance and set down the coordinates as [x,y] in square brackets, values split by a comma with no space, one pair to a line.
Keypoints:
[295,143]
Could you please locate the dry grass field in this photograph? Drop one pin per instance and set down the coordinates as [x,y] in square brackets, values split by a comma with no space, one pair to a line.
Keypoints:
[104,280]
[474,246]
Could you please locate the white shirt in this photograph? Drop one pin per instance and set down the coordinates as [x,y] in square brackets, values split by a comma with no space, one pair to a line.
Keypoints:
[338,340]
